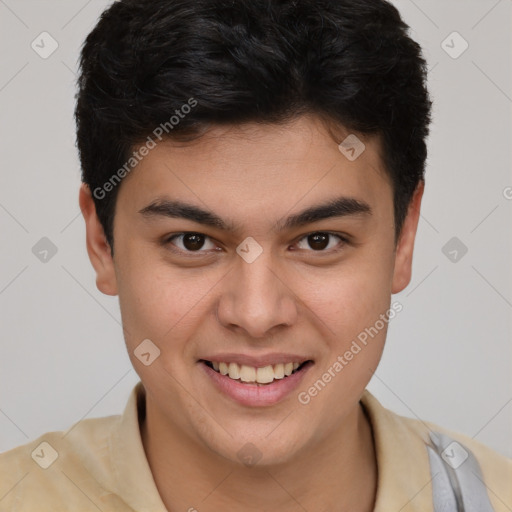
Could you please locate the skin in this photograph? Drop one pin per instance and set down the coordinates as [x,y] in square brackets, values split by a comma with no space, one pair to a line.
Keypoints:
[292,298]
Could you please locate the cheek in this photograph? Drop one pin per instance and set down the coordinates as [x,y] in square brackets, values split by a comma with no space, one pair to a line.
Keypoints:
[158,301]
[356,308]
[350,297]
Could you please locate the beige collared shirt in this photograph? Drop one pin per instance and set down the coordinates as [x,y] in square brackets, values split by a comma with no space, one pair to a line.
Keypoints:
[99,465]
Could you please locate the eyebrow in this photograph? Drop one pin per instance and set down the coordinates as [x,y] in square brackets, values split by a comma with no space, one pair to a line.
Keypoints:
[338,207]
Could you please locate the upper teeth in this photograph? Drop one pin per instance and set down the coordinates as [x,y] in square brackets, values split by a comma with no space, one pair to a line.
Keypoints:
[263,375]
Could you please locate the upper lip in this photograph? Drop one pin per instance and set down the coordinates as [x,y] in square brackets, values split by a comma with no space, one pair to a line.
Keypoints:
[257,361]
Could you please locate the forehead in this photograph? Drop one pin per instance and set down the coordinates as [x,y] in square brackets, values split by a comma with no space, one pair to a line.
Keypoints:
[255,169]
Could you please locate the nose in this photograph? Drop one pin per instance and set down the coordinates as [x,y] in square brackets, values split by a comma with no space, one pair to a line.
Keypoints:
[257,299]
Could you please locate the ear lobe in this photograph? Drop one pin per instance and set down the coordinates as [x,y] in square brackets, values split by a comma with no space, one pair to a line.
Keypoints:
[97,246]
[405,246]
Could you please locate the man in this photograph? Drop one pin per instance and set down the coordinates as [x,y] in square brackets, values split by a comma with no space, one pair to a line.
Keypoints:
[252,182]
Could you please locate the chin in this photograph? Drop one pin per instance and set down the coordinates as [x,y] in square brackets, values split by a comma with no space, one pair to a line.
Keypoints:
[258,451]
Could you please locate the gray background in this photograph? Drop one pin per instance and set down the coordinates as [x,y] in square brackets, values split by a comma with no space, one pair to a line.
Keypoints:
[449,354]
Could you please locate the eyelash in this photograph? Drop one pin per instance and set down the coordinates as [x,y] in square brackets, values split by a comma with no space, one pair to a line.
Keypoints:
[168,243]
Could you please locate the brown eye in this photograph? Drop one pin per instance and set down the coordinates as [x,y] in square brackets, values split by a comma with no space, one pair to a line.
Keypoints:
[320,241]
[191,242]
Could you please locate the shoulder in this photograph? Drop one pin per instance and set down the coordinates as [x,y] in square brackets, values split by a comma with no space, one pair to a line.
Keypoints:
[487,467]
[496,467]
[464,461]
[57,468]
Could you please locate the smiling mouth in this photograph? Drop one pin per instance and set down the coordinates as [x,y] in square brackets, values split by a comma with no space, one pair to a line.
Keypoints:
[251,375]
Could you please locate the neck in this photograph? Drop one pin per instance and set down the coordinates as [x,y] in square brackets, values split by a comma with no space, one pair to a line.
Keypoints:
[338,472]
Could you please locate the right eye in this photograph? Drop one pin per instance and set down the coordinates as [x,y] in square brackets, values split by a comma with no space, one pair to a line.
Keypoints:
[189,242]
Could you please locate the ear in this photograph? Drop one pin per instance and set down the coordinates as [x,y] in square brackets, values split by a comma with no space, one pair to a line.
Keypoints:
[97,246]
[405,246]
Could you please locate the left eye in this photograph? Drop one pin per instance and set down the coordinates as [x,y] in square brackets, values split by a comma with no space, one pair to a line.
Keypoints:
[320,241]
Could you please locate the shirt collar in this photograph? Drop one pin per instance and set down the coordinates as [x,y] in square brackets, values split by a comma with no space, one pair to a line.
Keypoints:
[133,477]
[404,479]
[403,482]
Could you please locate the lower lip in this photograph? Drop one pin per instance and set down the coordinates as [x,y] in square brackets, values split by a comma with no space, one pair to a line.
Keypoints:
[255,395]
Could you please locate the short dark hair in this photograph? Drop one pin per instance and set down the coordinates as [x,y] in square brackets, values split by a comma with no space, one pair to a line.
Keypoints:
[269,61]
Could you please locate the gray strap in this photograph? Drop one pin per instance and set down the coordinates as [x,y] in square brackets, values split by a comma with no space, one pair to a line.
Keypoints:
[457,481]
[444,498]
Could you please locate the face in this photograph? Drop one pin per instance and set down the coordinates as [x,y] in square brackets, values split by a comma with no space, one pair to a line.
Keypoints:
[245,251]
